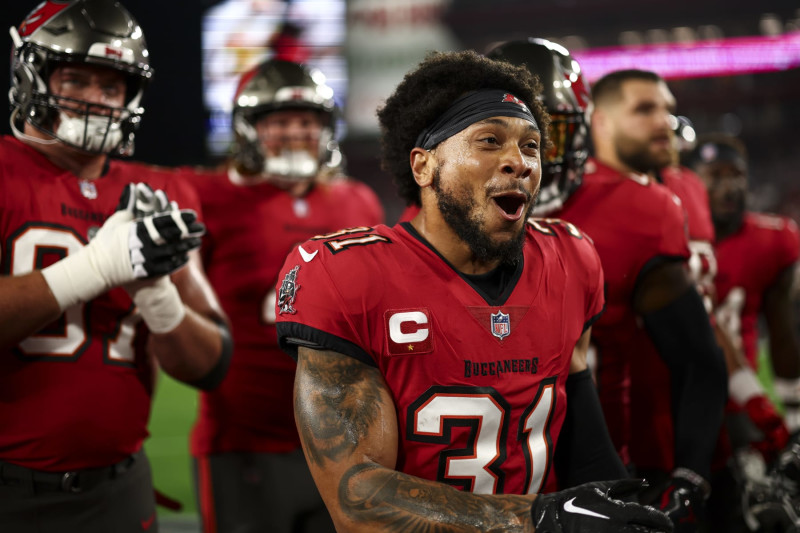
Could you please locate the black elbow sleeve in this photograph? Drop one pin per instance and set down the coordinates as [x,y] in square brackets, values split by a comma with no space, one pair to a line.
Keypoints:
[685,340]
[215,376]
[585,452]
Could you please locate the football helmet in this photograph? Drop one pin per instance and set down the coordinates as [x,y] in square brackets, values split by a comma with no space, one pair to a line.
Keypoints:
[91,32]
[275,85]
[565,96]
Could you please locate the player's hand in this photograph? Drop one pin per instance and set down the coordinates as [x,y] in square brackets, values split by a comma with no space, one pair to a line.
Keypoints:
[124,250]
[764,416]
[786,469]
[601,507]
[683,500]
[159,244]
[141,200]
[769,498]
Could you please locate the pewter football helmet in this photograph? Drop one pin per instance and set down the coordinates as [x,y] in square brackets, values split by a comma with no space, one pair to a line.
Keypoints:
[89,32]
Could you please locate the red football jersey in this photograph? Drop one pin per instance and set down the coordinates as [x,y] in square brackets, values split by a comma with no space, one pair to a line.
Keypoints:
[251,229]
[749,261]
[477,382]
[76,394]
[653,442]
[634,222]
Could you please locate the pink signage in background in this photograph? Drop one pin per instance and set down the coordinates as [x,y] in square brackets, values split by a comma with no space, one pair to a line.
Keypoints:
[721,57]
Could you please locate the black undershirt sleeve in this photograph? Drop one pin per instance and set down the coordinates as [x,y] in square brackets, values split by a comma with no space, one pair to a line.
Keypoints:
[585,452]
[214,377]
[684,338]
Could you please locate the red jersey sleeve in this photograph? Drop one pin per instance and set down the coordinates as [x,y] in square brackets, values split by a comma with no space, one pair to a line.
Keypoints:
[313,307]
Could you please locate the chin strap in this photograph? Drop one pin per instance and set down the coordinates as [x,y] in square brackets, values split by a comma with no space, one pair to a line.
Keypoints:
[22,136]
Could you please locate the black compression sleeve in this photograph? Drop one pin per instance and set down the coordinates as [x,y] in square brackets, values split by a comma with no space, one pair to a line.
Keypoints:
[584,452]
[215,376]
[684,338]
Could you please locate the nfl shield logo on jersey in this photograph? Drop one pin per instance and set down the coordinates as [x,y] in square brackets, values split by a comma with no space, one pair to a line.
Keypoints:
[288,291]
[501,325]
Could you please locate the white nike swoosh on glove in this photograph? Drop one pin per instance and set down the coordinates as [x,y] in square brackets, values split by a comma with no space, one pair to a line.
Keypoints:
[572,508]
[307,256]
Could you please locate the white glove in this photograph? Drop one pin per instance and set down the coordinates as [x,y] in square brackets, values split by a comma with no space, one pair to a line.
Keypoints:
[122,251]
[159,302]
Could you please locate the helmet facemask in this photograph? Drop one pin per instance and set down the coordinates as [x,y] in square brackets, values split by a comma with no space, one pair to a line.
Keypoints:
[565,96]
[276,86]
[563,161]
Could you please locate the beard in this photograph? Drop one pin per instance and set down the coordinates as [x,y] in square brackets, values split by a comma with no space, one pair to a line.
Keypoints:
[636,155]
[458,210]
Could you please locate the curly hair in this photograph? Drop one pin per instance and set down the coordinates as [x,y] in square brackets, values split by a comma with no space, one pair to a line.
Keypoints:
[429,90]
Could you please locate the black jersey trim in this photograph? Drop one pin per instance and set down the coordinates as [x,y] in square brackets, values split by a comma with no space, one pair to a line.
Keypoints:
[589,323]
[652,263]
[293,334]
[503,291]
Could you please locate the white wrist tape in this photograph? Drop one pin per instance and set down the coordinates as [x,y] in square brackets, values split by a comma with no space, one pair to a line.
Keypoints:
[159,304]
[743,385]
[101,265]
[73,280]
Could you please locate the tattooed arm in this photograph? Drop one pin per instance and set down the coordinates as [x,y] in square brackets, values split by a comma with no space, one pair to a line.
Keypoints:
[348,426]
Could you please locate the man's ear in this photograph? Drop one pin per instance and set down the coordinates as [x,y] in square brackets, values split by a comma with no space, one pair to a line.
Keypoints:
[423,163]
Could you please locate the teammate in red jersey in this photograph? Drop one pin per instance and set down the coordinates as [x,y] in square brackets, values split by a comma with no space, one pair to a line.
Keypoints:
[440,354]
[756,257]
[283,187]
[88,308]
[638,228]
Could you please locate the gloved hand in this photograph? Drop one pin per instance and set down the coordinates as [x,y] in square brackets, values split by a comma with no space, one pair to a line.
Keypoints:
[769,500]
[683,501]
[141,200]
[764,416]
[158,300]
[600,507]
[786,468]
[124,250]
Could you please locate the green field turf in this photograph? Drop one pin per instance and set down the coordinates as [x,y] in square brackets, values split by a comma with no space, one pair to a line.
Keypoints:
[174,412]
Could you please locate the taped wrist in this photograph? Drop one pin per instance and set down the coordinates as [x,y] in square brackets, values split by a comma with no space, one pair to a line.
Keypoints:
[73,280]
[788,391]
[159,304]
[744,385]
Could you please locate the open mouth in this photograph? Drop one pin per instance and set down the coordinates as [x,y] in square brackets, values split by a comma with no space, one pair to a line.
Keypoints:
[511,205]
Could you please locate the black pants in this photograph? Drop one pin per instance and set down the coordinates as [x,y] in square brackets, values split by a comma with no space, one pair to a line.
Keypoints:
[120,502]
[242,492]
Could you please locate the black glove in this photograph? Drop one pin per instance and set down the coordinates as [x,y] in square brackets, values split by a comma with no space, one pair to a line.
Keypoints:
[786,468]
[161,242]
[768,503]
[600,507]
[683,499]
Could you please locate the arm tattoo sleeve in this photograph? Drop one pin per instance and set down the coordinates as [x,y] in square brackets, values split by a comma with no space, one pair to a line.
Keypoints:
[403,503]
[343,400]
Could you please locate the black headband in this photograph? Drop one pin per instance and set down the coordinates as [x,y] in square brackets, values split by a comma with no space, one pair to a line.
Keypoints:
[712,152]
[471,108]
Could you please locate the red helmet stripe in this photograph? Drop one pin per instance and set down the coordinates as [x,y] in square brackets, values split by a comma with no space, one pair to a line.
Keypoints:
[44,12]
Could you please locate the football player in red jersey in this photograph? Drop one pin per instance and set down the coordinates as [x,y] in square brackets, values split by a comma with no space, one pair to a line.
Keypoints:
[756,256]
[89,309]
[284,185]
[436,357]
[638,228]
